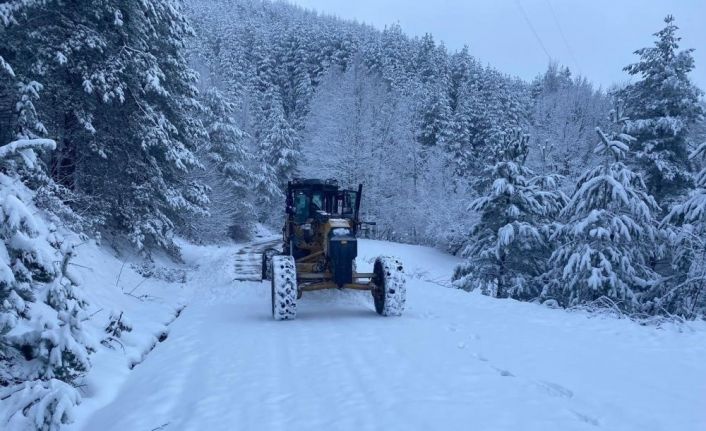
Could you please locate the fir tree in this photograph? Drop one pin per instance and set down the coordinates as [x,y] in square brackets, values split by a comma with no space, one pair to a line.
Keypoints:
[434,112]
[279,147]
[278,151]
[227,172]
[661,106]
[684,293]
[508,246]
[43,350]
[119,94]
[607,237]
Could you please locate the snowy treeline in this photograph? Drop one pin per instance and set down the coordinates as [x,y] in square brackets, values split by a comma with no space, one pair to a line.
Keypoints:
[410,120]
[413,122]
[631,235]
[111,84]
[456,154]
[405,117]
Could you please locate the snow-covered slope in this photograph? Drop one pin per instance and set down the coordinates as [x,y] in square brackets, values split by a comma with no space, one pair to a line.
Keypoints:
[454,360]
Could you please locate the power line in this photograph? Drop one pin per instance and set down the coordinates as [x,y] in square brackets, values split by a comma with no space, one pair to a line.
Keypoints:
[563,36]
[529,24]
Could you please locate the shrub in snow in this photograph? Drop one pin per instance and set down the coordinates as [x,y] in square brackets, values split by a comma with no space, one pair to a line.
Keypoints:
[607,237]
[508,246]
[42,347]
[684,294]
[117,324]
[148,269]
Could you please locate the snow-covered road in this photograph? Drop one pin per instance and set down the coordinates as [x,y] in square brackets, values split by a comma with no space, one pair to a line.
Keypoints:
[454,360]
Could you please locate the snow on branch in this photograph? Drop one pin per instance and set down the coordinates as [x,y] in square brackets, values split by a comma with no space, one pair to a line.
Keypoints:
[26,149]
[5,66]
[26,144]
[617,148]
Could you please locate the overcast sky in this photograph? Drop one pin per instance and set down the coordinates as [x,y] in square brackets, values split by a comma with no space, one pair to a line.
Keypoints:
[593,37]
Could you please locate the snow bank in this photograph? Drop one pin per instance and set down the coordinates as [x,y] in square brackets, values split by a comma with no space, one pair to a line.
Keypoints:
[123,294]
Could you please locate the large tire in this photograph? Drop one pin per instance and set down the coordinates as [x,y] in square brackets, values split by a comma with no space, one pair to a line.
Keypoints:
[389,290]
[267,263]
[284,288]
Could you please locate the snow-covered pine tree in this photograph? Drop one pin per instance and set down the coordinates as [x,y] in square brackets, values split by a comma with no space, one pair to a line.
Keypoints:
[297,88]
[227,172]
[119,94]
[684,294]
[492,105]
[607,237]
[279,146]
[278,151]
[396,57]
[565,113]
[43,349]
[661,106]
[508,247]
[434,113]
[464,71]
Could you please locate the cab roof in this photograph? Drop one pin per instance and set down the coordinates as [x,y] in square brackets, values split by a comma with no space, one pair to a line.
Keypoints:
[314,184]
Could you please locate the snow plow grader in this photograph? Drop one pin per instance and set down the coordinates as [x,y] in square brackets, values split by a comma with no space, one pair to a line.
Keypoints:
[319,251]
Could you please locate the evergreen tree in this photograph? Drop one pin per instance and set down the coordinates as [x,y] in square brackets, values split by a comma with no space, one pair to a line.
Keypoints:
[396,54]
[508,247]
[607,237]
[43,349]
[492,105]
[434,112]
[685,293]
[119,95]
[278,150]
[279,146]
[297,82]
[227,172]
[226,146]
[662,105]
[565,113]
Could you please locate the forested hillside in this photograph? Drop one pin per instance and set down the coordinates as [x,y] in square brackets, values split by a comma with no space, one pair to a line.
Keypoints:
[413,122]
[458,155]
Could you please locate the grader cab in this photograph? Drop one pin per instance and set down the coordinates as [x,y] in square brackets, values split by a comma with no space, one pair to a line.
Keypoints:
[319,250]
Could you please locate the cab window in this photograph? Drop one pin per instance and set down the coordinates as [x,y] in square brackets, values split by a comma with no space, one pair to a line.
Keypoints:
[317,203]
[349,202]
[301,208]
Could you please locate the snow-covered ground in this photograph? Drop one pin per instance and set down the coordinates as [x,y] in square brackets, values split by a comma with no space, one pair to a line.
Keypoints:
[454,360]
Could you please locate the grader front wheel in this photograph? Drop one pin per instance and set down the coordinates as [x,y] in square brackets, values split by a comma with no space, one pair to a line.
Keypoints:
[389,290]
[284,288]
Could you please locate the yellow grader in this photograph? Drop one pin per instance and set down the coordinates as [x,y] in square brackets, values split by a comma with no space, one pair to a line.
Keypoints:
[319,251]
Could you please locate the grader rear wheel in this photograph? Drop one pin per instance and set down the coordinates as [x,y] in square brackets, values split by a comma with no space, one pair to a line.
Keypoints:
[389,290]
